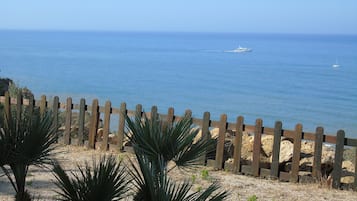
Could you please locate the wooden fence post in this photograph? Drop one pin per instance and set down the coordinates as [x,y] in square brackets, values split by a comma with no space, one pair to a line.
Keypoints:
[170,115]
[337,166]
[54,113]
[67,131]
[169,119]
[188,113]
[220,142]
[43,105]
[81,121]
[205,134]
[31,105]
[294,176]
[154,115]
[93,124]
[139,110]
[108,110]
[18,107]
[7,105]
[257,147]
[238,145]
[274,171]
[121,127]
[316,166]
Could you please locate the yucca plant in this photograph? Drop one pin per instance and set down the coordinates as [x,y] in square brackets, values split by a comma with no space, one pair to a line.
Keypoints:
[25,140]
[167,143]
[105,181]
[155,146]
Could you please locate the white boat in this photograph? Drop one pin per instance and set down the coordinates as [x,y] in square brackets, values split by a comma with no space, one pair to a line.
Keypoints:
[336,65]
[240,50]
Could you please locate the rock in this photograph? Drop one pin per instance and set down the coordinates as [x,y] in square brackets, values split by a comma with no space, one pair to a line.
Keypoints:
[267,144]
[348,170]
[286,151]
[247,147]
[113,139]
[348,179]
[348,166]
[328,156]
[306,163]
[100,134]
[307,147]
[214,133]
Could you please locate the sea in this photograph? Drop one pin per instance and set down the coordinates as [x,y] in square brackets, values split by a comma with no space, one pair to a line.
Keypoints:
[286,77]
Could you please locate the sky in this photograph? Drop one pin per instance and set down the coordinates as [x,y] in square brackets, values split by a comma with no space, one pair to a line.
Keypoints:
[249,16]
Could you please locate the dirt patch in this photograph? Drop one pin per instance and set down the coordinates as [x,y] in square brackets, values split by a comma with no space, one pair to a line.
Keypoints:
[241,187]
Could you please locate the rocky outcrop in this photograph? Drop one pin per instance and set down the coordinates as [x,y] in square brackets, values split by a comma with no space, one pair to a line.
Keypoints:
[286,154]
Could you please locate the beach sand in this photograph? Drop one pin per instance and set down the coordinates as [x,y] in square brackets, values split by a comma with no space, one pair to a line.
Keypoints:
[241,187]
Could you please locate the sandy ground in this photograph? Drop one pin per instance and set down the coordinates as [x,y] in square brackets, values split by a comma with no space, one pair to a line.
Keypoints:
[241,187]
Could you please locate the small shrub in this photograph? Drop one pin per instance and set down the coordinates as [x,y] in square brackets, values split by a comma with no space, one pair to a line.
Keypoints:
[204,174]
[193,178]
[253,198]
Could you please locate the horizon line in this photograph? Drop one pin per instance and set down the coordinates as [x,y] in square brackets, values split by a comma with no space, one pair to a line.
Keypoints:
[173,31]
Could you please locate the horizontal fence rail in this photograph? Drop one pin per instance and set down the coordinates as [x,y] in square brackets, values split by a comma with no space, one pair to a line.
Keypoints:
[238,128]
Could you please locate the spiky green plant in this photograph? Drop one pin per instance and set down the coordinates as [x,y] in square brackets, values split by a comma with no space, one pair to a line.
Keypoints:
[105,181]
[167,143]
[25,140]
[155,146]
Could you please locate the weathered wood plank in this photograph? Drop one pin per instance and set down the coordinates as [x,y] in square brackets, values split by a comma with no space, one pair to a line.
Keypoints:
[169,119]
[139,110]
[294,176]
[7,106]
[220,142]
[247,169]
[55,114]
[249,128]
[31,105]
[93,124]
[337,166]
[107,112]
[43,105]
[257,146]
[264,172]
[188,113]
[238,145]
[268,131]
[205,133]
[215,124]
[67,130]
[284,176]
[18,106]
[154,114]
[170,116]
[316,166]
[310,136]
[274,171]
[121,128]
[351,142]
[81,121]
[196,121]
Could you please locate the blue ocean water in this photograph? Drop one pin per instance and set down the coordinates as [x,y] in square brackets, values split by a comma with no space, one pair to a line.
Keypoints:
[286,77]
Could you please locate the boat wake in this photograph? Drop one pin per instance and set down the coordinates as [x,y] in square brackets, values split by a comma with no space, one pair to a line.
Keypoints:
[240,50]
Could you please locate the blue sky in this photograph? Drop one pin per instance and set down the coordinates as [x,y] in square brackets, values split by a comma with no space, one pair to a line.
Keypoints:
[274,16]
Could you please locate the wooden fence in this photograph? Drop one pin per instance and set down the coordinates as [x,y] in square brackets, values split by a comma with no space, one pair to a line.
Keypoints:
[318,137]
